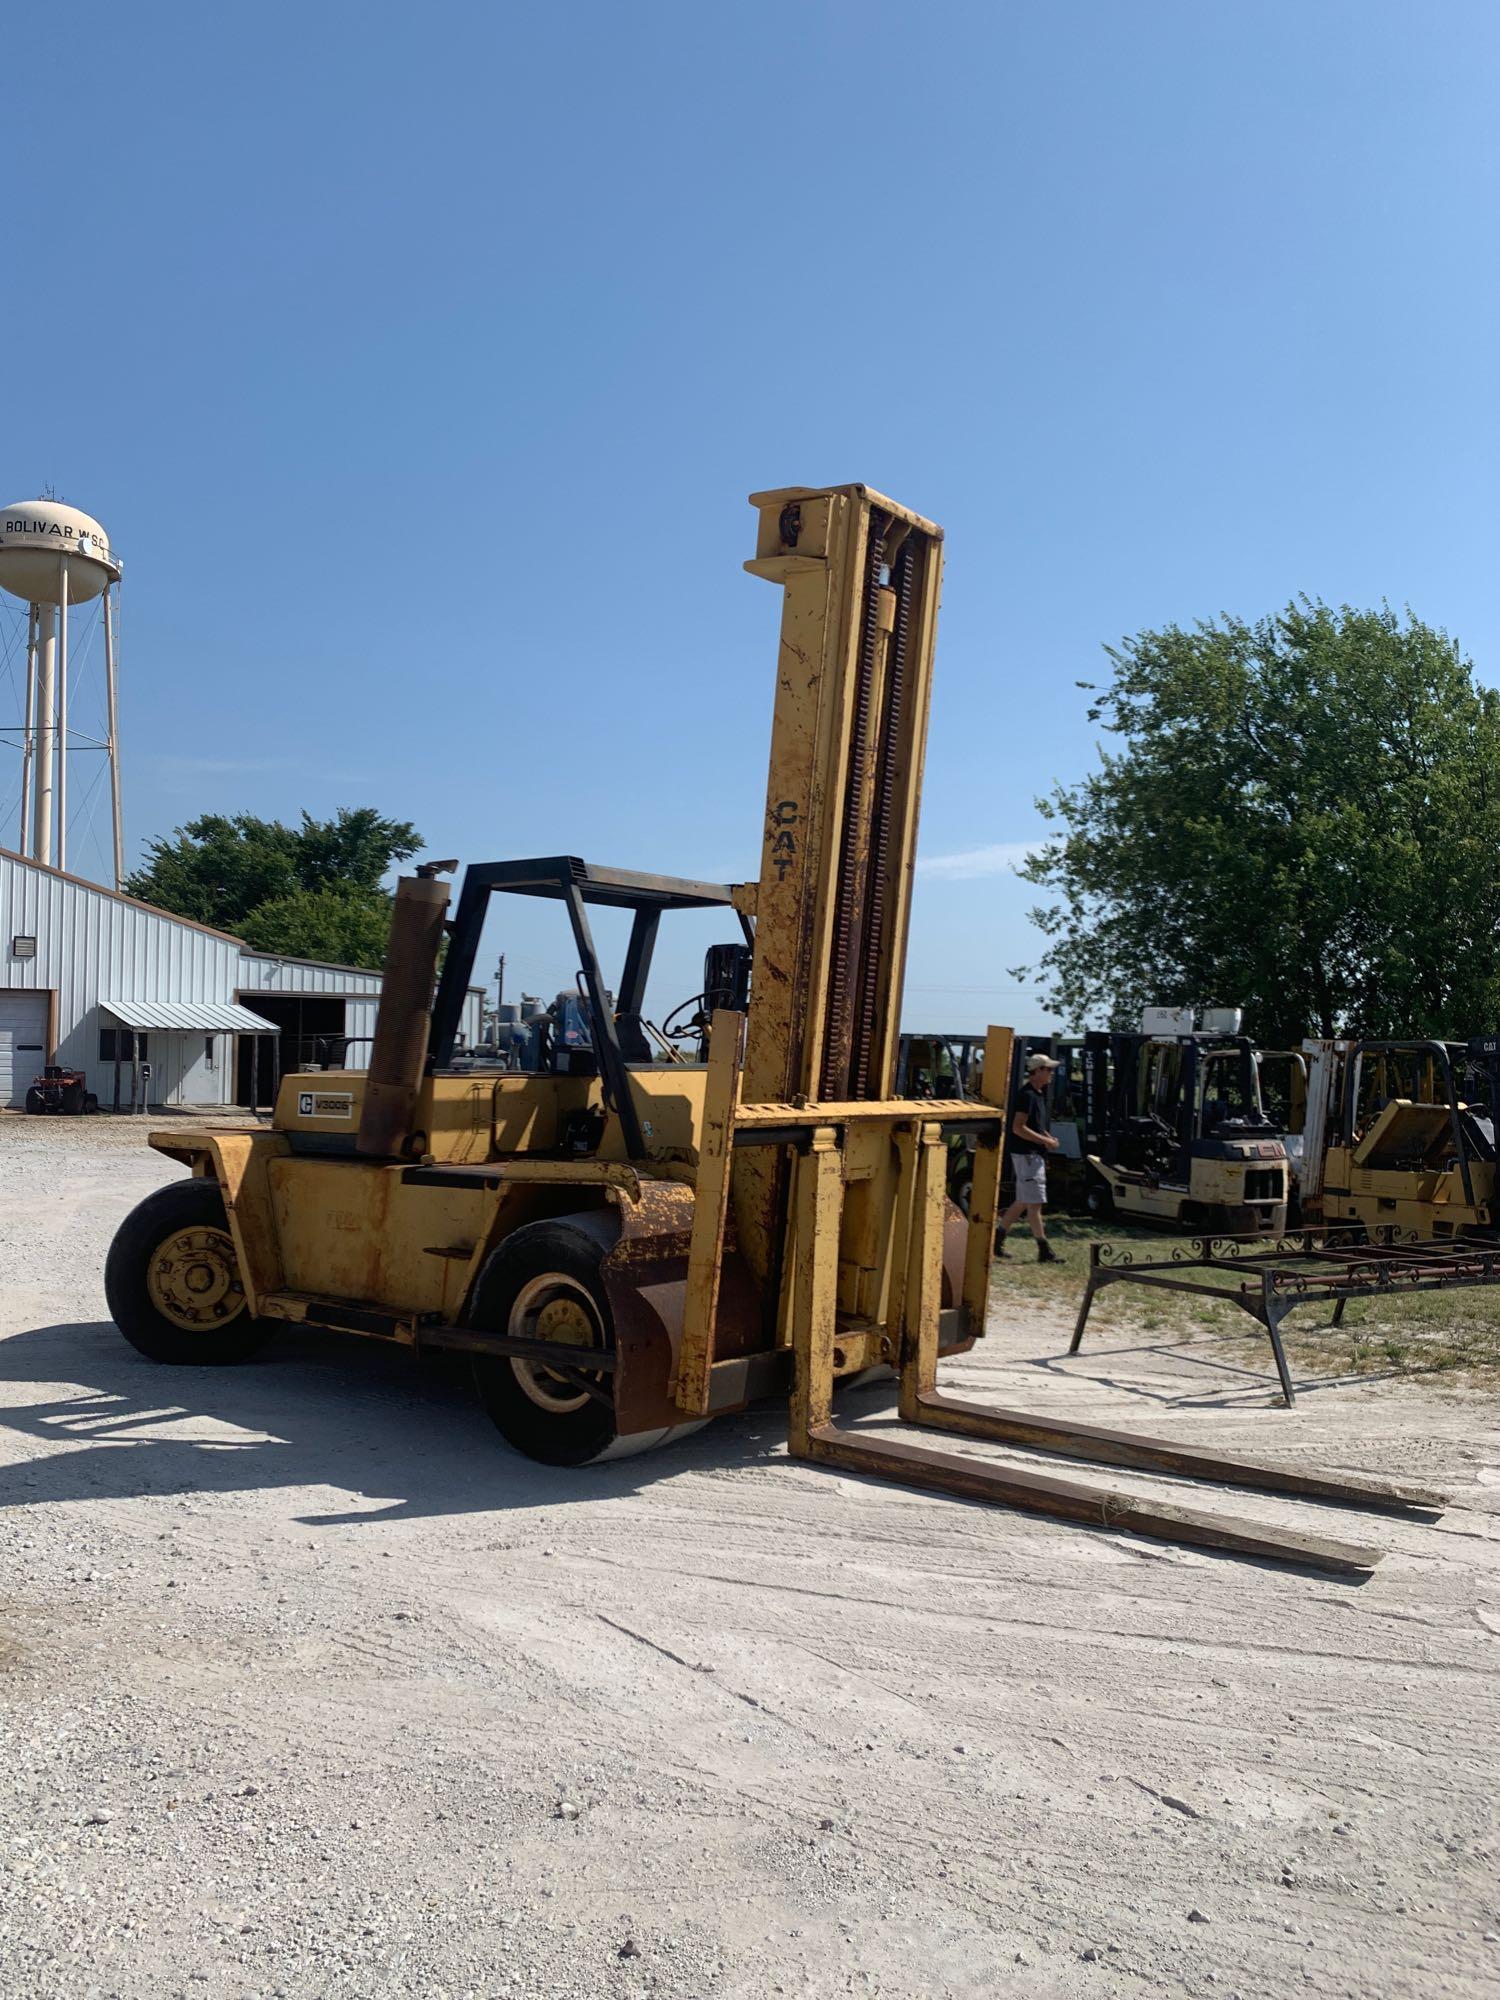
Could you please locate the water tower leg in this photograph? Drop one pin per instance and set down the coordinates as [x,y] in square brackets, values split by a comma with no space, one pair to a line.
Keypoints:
[62,712]
[28,739]
[46,731]
[114,747]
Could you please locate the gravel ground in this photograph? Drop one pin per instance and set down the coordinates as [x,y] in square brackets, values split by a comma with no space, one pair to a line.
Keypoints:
[311,1688]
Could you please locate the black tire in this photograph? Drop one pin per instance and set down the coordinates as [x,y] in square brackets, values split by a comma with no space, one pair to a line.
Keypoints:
[1098,1200]
[72,1099]
[161,1251]
[36,1104]
[90,1104]
[545,1266]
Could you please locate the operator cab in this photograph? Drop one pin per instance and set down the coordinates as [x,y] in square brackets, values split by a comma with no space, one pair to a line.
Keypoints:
[596,1030]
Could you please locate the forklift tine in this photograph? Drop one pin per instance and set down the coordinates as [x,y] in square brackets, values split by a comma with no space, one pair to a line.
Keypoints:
[1092,1506]
[1099,1446]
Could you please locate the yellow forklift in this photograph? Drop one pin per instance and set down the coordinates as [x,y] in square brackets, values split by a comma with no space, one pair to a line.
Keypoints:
[628,1245]
[1410,1152]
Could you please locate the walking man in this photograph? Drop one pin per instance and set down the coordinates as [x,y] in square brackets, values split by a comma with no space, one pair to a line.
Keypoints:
[1030,1141]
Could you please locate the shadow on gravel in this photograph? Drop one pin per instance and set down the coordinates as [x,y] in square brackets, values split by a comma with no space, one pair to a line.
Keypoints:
[406,1437]
[1252,1386]
[314,1410]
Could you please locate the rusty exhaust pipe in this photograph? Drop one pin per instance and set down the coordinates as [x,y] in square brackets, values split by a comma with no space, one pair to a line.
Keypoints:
[398,1059]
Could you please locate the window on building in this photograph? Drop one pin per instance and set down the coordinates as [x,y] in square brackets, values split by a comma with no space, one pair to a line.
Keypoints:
[121,1045]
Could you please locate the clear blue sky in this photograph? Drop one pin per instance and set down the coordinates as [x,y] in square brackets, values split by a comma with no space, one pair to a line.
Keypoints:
[419,361]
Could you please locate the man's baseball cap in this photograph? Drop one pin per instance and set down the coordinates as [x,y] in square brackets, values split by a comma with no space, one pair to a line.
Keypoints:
[1039,1061]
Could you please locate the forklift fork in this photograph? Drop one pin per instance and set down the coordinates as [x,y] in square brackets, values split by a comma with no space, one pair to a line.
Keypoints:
[814,1433]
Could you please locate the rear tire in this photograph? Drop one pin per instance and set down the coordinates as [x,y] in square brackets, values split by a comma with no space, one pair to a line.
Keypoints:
[173,1284]
[1098,1200]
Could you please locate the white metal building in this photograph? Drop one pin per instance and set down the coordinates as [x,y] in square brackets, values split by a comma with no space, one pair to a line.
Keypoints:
[136,997]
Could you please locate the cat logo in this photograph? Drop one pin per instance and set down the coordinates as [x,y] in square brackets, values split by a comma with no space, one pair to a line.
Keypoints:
[325,1104]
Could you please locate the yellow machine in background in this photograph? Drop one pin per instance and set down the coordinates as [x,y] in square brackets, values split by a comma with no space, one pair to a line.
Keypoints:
[1410,1137]
[626,1245]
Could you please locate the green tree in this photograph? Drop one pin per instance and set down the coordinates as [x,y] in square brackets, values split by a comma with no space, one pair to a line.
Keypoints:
[1301,817]
[349,926]
[317,883]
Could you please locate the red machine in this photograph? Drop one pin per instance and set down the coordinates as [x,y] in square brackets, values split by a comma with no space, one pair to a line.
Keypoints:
[64,1090]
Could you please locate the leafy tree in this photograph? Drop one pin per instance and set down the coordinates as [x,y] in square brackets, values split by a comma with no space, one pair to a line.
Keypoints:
[217,870]
[272,884]
[1303,817]
[357,847]
[349,926]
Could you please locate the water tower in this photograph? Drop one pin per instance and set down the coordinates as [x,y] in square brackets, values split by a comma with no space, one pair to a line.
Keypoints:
[51,557]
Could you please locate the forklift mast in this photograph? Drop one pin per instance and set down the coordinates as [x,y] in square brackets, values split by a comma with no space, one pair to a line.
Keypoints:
[861,579]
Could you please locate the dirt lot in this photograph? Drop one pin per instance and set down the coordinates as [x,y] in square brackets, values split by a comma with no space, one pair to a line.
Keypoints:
[310,1688]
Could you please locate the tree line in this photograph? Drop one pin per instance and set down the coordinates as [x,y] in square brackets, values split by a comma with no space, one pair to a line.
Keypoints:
[1298,815]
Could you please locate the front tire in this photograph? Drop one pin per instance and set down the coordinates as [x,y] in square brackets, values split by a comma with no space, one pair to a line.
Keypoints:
[172,1280]
[36,1104]
[1098,1199]
[543,1283]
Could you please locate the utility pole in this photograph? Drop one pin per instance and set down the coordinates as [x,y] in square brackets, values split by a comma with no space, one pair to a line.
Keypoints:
[500,980]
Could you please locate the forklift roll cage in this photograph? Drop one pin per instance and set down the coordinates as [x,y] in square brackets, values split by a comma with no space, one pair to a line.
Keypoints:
[1111,1071]
[1449,1060]
[618,1036]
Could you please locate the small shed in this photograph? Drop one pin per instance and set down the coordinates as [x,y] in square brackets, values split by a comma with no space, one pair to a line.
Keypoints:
[194,1043]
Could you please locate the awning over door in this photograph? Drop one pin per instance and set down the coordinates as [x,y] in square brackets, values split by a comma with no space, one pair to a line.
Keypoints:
[186,1017]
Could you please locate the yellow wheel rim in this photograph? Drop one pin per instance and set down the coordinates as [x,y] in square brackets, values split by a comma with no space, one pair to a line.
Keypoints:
[194,1280]
[554,1307]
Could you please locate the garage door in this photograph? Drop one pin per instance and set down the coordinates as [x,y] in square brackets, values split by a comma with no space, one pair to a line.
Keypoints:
[23,1032]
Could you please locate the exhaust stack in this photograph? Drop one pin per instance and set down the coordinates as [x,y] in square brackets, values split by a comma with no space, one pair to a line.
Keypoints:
[398,1059]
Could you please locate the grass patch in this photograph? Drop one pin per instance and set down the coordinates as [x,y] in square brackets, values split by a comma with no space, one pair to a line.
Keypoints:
[1423,1333]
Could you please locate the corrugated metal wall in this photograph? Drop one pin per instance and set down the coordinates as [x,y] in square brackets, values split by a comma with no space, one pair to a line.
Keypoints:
[92,946]
[263,972]
[260,972]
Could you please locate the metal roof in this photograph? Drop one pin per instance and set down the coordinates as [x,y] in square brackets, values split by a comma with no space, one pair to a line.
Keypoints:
[184,1016]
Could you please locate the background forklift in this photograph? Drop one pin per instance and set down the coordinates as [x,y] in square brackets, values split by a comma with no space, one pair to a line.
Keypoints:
[632,1245]
[1174,1128]
[1411,1137]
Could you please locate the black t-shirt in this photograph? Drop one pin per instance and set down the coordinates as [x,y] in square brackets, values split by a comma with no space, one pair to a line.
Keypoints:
[1031,1108]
